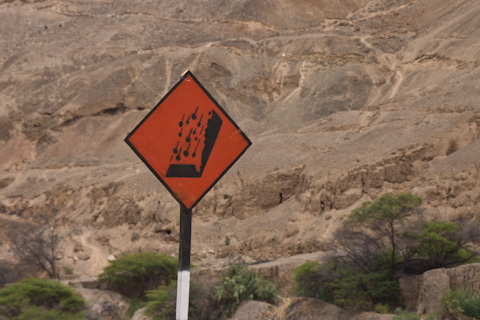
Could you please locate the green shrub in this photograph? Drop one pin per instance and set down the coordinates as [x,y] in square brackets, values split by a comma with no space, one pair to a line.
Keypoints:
[442,244]
[381,308]
[239,284]
[133,274]
[464,301]
[347,286]
[161,303]
[471,304]
[40,299]
[311,280]
[266,291]
[135,304]
[402,315]
[355,289]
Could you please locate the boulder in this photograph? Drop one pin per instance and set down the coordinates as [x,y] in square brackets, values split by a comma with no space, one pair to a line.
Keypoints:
[253,310]
[104,304]
[434,284]
[368,316]
[308,308]
[410,287]
[140,315]
[423,293]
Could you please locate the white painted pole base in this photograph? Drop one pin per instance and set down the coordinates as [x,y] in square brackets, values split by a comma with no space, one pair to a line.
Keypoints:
[183,290]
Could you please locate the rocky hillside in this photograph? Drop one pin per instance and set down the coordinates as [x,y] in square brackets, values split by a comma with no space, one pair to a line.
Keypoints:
[343,100]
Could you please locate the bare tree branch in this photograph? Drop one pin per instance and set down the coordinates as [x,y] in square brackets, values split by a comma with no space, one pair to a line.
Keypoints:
[36,245]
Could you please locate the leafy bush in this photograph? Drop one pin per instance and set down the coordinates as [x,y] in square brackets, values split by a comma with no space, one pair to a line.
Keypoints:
[402,315]
[441,245]
[381,308]
[464,301]
[353,288]
[40,299]
[266,291]
[135,304]
[239,284]
[471,304]
[347,289]
[133,274]
[311,280]
[161,303]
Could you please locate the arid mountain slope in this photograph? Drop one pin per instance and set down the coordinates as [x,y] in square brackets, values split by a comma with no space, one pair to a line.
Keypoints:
[344,100]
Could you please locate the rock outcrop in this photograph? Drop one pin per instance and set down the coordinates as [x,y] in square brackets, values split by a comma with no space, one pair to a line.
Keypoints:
[102,304]
[423,293]
[312,309]
[254,310]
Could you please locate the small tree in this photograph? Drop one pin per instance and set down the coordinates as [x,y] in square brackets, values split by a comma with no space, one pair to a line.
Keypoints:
[445,244]
[380,220]
[36,244]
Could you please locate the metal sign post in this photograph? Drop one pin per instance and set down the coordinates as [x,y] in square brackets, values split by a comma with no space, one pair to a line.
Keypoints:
[183,279]
[188,142]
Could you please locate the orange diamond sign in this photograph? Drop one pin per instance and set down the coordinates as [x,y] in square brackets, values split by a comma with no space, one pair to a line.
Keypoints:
[188,141]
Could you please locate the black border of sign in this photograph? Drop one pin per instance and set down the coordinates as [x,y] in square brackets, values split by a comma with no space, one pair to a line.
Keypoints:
[182,77]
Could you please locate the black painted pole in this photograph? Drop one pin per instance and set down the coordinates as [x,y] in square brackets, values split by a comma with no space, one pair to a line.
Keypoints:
[183,279]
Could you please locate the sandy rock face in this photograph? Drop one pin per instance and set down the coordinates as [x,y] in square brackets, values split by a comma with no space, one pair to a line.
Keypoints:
[254,310]
[308,308]
[104,304]
[140,315]
[423,293]
[343,100]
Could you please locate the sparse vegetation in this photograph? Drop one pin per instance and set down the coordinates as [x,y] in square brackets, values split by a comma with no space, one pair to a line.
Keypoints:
[381,308]
[378,242]
[403,315]
[161,303]
[40,299]
[239,284]
[133,274]
[6,272]
[135,304]
[445,244]
[311,280]
[464,301]
[375,230]
[36,245]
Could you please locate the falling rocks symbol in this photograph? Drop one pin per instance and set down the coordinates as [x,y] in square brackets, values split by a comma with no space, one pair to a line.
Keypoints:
[188,141]
[190,170]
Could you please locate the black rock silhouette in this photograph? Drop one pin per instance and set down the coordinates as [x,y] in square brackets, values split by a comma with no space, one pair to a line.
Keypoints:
[189,170]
